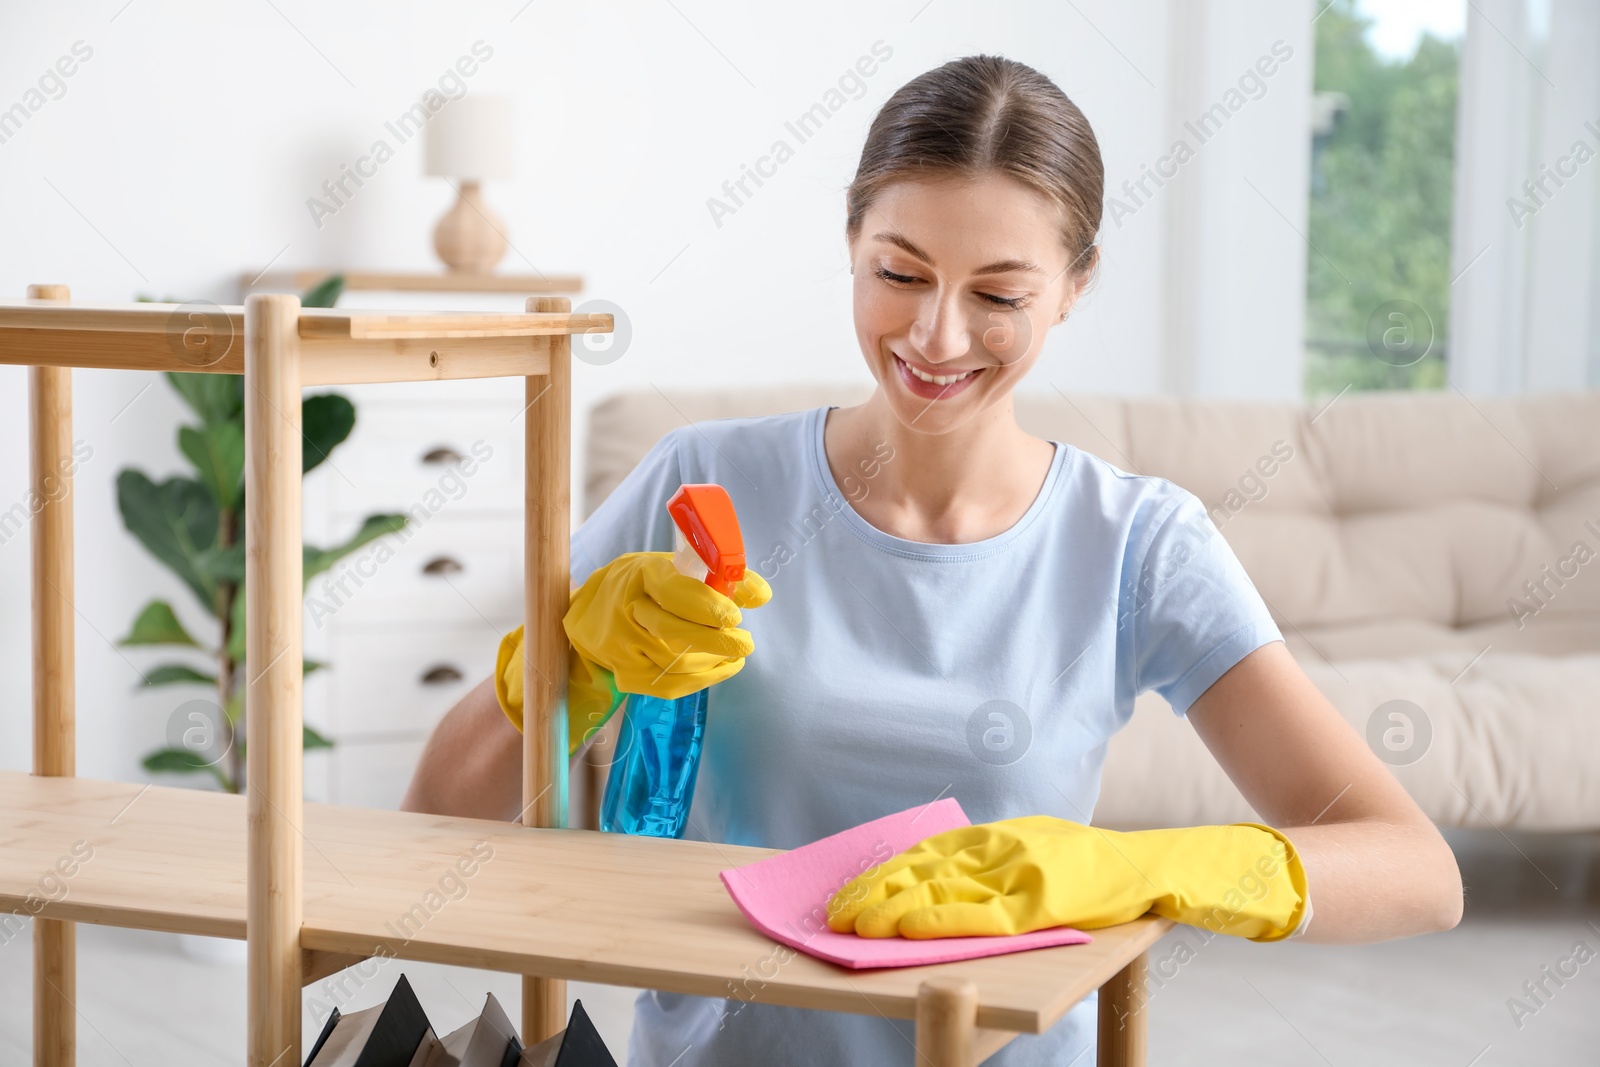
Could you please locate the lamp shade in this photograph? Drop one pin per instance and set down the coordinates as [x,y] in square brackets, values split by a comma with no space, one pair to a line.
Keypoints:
[470,138]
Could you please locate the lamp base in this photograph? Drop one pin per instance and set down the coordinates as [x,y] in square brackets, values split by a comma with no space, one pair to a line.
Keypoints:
[470,238]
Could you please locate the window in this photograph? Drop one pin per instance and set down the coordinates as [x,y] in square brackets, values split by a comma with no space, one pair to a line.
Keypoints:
[1382,164]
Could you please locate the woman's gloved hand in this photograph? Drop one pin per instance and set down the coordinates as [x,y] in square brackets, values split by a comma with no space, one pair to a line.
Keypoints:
[591,694]
[638,626]
[1019,875]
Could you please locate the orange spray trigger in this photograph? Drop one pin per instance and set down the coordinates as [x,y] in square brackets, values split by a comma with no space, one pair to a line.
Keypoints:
[707,525]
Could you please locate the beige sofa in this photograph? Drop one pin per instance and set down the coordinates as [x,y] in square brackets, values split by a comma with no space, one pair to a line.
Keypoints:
[1432,560]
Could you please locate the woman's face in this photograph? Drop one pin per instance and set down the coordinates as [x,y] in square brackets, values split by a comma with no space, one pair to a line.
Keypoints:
[957,281]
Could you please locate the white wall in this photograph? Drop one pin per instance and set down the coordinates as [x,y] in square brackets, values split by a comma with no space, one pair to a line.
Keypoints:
[1240,99]
[184,149]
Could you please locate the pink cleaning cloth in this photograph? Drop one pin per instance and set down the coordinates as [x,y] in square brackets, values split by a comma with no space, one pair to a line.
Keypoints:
[786,897]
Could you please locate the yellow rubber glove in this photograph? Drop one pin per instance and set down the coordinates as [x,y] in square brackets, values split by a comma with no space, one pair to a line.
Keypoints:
[591,694]
[1018,875]
[638,626]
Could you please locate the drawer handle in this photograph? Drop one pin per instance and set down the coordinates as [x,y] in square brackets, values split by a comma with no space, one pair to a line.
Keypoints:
[443,455]
[442,675]
[442,565]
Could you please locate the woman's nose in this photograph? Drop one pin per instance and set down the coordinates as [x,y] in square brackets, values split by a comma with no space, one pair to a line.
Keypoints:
[941,331]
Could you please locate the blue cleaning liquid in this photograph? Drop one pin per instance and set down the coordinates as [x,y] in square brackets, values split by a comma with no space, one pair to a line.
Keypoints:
[651,783]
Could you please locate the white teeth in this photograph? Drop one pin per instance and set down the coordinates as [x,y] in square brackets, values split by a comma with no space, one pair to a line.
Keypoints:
[936,379]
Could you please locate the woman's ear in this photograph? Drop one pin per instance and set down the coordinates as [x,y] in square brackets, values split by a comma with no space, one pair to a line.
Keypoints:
[1079,283]
[1072,299]
[1075,283]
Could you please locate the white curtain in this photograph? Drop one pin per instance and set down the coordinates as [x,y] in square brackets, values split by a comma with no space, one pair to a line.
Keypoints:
[1525,305]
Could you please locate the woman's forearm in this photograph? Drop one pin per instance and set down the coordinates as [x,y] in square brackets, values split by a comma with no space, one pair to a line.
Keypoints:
[1376,867]
[1373,880]
[472,763]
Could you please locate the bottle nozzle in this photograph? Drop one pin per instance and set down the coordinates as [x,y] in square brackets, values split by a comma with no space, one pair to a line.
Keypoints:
[708,533]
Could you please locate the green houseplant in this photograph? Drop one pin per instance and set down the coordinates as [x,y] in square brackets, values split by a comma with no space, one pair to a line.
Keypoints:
[194,523]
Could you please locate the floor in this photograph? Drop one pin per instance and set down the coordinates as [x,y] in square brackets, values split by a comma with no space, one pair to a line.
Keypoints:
[1447,1000]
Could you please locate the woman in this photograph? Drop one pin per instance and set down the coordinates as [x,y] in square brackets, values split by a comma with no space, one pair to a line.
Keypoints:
[964,563]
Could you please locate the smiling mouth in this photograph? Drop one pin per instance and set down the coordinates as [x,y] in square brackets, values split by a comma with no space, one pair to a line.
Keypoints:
[938,379]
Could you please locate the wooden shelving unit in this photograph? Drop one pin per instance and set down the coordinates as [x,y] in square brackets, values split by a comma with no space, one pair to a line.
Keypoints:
[314,888]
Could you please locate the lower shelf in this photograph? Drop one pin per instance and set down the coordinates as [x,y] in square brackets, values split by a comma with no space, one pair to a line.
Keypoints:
[576,904]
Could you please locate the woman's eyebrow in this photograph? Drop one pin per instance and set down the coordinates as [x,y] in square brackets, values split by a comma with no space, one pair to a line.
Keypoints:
[1004,266]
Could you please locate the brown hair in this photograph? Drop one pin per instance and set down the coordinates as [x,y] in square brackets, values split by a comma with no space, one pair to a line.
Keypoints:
[980,114]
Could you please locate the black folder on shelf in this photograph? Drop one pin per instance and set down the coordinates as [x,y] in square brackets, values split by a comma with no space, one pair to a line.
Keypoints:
[384,1035]
[579,1045]
[397,1033]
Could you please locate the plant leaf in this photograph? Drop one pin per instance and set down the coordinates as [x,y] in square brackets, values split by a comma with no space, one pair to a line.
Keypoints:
[373,527]
[325,293]
[176,520]
[310,739]
[311,666]
[314,562]
[214,397]
[217,451]
[223,564]
[177,674]
[174,759]
[325,421]
[157,624]
[182,761]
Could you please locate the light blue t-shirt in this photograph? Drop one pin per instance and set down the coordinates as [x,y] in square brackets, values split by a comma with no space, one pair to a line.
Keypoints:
[888,673]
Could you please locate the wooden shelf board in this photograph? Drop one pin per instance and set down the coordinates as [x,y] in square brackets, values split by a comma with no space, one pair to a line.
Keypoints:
[573,904]
[338,345]
[415,281]
[406,325]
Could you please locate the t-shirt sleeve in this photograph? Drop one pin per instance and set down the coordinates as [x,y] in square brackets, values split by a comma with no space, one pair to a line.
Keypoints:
[1188,612]
[634,517]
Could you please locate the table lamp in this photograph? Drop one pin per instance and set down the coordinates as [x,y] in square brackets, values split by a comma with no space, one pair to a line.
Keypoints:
[470,140]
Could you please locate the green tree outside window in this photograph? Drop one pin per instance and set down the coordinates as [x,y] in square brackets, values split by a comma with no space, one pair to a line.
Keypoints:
[1381,196]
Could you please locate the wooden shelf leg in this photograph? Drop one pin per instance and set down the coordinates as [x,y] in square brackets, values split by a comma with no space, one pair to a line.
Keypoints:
[273,658]
[55,942]
[547,571]
[1124,1035]
[947,1017]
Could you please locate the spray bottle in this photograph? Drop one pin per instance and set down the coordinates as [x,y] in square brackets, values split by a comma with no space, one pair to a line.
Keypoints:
[651,783]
